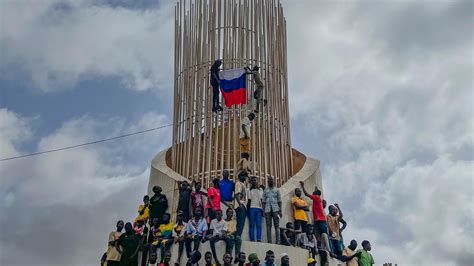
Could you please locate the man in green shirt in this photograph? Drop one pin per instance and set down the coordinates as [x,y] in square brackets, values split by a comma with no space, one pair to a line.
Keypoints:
[365,258]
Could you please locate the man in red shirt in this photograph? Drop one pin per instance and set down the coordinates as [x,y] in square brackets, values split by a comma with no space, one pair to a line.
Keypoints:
[320,223]
[213,199]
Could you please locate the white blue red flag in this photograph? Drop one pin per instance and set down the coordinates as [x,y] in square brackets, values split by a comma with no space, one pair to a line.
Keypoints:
[233,86]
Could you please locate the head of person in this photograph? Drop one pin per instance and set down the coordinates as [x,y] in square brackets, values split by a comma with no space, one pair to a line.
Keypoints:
[195,257]
[146,200]
[140,223]
[242,256]
[253,259]
[129,229]
[217,63]
[253,181]
[227,258]
[166,218]
[332,210]
[251,116]
[285,259]
[269,257]
[153,257]
[215,182]
[317,191]
[242,176]
[184,185]
[218,214]
[324,204]
[256,68]
[225,174]
[229,213]
[167,257]
[297,192]
[366,245]
[197,186]
[289,225]
[245,155]
[353,244]
[208,257]
[198,213]
[157,189]
[309,229]
[119,225]
[270,181]
[179,216]
[311,262]
[156,222]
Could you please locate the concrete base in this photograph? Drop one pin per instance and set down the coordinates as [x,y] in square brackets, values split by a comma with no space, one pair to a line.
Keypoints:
[165,177]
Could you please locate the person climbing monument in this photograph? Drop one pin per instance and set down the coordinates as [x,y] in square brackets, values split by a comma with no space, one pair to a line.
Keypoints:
[258,93]
[215,82]
[245,133]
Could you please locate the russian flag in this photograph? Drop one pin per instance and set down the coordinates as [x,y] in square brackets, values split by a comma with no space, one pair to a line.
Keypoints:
[233,86]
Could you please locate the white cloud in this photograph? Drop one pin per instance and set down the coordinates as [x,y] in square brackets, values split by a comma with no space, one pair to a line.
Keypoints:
[87,188]
[59,43]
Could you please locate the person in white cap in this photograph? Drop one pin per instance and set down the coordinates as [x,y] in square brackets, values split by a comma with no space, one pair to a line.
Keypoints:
[285,259]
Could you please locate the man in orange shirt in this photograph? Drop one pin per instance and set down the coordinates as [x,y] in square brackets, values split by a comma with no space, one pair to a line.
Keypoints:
[300,207]
[333,218]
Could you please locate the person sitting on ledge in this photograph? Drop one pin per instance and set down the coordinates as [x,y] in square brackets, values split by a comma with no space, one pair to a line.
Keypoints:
[308,240]
[178,235]
[196,230]
[288,235]
[165,235]
[218,231]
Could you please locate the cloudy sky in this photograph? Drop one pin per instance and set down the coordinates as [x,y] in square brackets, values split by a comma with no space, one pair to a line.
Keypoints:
[390,117]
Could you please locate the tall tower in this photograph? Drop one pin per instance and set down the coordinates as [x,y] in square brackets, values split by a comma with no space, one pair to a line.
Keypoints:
[241,33]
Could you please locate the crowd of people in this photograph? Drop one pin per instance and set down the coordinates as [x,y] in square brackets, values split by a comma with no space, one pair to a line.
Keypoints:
[200,218]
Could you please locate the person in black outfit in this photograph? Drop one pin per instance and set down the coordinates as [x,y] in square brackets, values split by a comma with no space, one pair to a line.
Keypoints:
[215,82]
[184,202]
[158,204]
[288,235]
[128,245]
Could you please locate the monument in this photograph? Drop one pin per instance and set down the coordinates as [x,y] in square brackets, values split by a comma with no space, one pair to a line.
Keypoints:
[205,143]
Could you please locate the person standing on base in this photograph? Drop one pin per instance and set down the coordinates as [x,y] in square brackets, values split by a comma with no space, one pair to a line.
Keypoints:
[227,187]
[255,209]
[158,204]
[113,256]
[300,207]
[245,124]
[128,245]
[349,254]
[271,201]
[365,258]
[215,82]
[334,217]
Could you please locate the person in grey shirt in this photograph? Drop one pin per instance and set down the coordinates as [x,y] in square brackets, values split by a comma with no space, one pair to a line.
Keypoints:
[258,93]
[271,204]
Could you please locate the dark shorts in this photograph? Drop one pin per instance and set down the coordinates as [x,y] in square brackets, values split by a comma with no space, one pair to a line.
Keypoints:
[321,227]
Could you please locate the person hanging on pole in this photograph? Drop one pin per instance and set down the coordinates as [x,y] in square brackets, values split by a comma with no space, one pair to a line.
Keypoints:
[215,82]
[258,93]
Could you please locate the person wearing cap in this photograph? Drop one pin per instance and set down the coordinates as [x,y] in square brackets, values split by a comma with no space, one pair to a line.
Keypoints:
[213,199]
[285,259]
[311,262]
[179,236]
[215,82]
[258,93]
[253,260]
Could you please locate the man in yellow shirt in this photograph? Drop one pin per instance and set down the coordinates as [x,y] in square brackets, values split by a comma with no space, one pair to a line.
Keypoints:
[300,207]
[144,210]
[113,256]
[349,254]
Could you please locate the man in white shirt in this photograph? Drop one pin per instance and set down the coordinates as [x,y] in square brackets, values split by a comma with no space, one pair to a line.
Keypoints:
[255,195]
[218,233]
[245,124]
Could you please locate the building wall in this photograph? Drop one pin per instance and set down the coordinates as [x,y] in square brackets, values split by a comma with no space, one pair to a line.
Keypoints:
[165,177]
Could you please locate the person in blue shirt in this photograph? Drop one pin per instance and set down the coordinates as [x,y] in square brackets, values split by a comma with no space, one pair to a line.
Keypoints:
[227,187]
